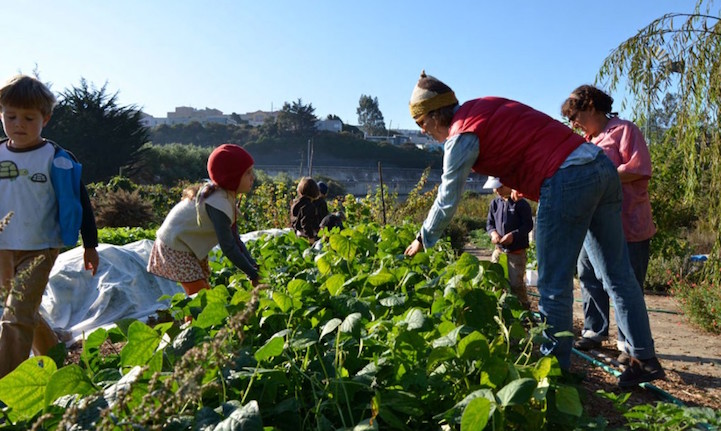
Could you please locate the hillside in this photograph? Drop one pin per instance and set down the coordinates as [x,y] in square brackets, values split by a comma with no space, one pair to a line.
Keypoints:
[329,149]
[332,149]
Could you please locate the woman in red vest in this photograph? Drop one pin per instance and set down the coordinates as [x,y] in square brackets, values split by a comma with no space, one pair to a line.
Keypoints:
[579,202]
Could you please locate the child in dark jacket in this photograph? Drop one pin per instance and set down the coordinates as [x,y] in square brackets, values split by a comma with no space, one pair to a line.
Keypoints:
[303,213]
[509,223]
[321,205]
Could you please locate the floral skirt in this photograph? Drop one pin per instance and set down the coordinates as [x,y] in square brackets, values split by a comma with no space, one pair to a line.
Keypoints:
[181,266]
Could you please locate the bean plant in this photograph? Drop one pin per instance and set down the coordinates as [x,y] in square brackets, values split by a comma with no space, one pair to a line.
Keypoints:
[349,334]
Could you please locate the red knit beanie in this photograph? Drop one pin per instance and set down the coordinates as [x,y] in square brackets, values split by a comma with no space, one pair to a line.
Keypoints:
[227,164]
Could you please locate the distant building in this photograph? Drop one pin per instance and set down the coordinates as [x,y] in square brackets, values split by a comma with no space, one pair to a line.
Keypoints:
[257,118]
[419,138]
[335,125]
[394,140]
[149,121]
[186,115]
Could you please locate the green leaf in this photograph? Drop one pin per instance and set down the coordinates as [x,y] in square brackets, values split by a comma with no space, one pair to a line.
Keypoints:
[541,391]
[284,302]
[517,392]
[454,414]
[67,380]
[240,296]
[476,414]
[494,372]
[393,300]
[381,277]
[303,340]
[479,307]
[450,339]
[91,345]
[142,342]
[351,323]
[568,401]
[156,362]
[217,294]
[473,347]
[414,319]
[23,390]
[270,349]
[439,354]
[343,246]
[334,284]
[545,367]
[410,343]
[297,288]
[421,259]
[246,418]
[323,263]
[329,327]
[467,266]
[517,331]
[212,315]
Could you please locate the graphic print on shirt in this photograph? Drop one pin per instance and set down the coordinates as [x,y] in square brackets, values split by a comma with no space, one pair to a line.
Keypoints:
[9,170]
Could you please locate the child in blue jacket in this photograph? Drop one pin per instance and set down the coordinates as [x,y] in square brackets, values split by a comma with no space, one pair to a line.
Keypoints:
[40,186]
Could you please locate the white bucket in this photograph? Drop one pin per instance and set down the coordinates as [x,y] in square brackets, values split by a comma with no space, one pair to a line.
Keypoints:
[531,277]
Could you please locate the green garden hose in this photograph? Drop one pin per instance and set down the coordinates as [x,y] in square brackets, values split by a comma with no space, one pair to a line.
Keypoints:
[663,395]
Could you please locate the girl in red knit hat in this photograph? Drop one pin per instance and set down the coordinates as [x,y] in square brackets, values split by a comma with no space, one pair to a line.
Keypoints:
[204,218]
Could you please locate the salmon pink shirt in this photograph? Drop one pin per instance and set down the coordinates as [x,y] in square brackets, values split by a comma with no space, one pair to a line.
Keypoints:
[623,143]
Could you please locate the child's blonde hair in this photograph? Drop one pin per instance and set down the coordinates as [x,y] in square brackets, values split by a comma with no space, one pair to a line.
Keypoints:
[190,192]
[26,92]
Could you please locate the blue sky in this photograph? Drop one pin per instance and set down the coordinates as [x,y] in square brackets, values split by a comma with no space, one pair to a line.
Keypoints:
[241,56]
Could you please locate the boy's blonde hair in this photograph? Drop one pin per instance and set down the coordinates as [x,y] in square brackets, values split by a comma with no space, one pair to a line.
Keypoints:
[26,92]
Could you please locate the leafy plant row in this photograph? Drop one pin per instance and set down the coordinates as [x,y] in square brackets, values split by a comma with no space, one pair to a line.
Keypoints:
[350,336]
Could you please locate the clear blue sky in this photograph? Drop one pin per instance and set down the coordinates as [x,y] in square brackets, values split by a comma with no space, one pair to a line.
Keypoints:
[241,56]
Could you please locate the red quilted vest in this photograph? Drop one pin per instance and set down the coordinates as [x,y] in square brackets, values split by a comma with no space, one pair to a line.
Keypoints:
[517,144]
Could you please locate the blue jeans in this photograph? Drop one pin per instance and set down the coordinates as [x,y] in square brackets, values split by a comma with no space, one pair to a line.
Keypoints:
[596,304]
[581,206]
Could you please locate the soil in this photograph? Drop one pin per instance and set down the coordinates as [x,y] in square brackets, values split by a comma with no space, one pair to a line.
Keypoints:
[690,356]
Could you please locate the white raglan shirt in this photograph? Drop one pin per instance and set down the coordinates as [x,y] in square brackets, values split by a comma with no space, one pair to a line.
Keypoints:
[26,190]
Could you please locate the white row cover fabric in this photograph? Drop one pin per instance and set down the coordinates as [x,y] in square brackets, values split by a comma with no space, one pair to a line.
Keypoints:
[75,303]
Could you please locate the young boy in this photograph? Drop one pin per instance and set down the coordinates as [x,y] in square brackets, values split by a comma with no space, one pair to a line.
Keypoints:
[39,183]
[509,223]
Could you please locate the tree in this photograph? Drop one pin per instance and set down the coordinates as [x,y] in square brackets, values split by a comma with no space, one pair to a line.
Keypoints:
[297,119]
[238,119]
[170,163]
[105,137]
[195,133]
[370,117]
[680,51]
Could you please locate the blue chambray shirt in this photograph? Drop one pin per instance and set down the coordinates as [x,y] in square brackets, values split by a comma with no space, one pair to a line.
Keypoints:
[459,155]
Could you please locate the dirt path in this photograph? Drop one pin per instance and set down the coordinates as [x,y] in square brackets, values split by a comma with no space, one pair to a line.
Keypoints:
[691,358]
